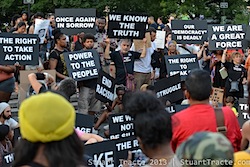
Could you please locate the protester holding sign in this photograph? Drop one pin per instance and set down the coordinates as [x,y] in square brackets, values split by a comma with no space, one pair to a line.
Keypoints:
[237,75]
[21,28]
[5,144]
[7,82]
[56,59]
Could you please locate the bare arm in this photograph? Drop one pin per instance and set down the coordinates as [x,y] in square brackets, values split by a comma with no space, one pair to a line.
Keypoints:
[34,83]
[144,50]
[200,53]
[107,49]
[8,69]
[87,136]
[224,55]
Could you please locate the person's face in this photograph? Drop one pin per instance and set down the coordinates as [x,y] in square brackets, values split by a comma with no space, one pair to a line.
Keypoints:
[170,19]
[18,20]
[169,38]
[229,105]
[153,36]
[7,113]
[237,59]
[89,44]
[248,51]
[125,46]
[24,17]
[149,21]
[120,94]
[101,24]
[172,48]
[21,30]
[52,18]
[62,41]
[159,21]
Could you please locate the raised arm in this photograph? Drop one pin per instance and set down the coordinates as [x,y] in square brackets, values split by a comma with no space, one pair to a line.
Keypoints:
[7,69]
[224,55]
[107,49]
[144,50]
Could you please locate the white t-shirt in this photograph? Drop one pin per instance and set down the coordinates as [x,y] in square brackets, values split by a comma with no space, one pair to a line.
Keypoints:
[11,123]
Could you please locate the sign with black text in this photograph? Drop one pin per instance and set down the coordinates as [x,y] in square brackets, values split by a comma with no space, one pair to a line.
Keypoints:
[21,48]
[41,27]
[127,25]
[74,21]
[105,87]
[169,89]
[120,126]
[84,122]
[243,115]
[82,65]
[182,64]
[189,31]
[226,36]
[8,159]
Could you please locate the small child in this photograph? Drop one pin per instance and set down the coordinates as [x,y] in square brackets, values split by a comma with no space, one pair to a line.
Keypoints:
[230,103]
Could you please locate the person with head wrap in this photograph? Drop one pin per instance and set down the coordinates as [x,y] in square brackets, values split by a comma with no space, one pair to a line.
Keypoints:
[5,116]
[205,149]
[5,144]
[48,139]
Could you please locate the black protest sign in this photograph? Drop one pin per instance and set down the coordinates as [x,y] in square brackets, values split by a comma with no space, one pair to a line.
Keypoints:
[127,25]
[243,115]
[120,126]
[21,48]
[176,108]
[169,89]
[100,154]
[105,87]
[226,36]
[82,65]
[8,159]
[17,135]
[74,21]
[189,31]
[182,64]
[84,122]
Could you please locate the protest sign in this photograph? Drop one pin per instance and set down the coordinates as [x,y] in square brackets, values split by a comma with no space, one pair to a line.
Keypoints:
[120,126]
[160,39]
[82,65]
[243,115]
[139,44]
[217,95]
[169,89]
[189,31]
[21,48]
[8,159]
[100,154]
[182,64]
[226,36]
[41,27]
[84,122]
[105,87]
[73,21]
[176,108]
[127,25]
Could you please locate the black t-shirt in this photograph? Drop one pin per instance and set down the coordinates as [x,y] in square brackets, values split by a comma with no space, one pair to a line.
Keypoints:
[61,65]
[235,72]
[218,82]
[122,60]
[78,46]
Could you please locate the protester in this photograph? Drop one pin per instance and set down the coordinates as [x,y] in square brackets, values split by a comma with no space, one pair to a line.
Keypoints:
[45,145]
[25,18]
[5,116]
[230,103]
[153,129]
[151,22]
[79,42]
[161,26]
[202,114]
[206,149]
[5,143]
[21,28]
[14,22]
[38,15]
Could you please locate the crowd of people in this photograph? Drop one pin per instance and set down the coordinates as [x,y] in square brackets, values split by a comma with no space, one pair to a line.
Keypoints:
[47,120]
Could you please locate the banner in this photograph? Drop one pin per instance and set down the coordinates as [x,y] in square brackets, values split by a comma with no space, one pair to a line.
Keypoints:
[84,122]
[182,64]
[243,111]
[120,126]
[169,89]
[73,21]
[189,31]
[226,36]
[21,48]
[127,25]
[41,27]
[82,65]
[105,87]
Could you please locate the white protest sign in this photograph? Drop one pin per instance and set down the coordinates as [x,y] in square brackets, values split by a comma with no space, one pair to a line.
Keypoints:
[160,39]
[41,27]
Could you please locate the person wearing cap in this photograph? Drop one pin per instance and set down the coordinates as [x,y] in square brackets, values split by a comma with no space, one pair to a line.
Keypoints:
[206,149]
[5,144]
[5,116]
[47,123]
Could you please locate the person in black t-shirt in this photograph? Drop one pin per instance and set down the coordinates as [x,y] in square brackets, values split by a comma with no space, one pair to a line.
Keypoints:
[123,59]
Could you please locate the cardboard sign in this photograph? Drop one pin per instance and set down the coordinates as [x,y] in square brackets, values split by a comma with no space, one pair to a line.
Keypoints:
[169,89]
[100,154]
[84,122]
[189,31]
[41,27]
[120,126]
[217,95]
[82,65]
[139,44]
[127,25]
[160,39]
[243,111]
[105,87]
[8,159]
[226,36]
[73,21]
[21,48]
[176,108]
[182,64]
